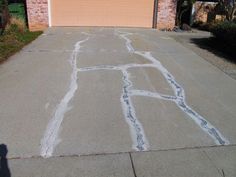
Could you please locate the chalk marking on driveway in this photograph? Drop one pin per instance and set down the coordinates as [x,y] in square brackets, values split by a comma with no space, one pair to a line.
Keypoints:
[179,92]
[152,94]
[140,142]
[50,139]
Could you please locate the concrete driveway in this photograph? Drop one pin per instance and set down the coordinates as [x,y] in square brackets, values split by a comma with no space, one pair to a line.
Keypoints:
[115,102]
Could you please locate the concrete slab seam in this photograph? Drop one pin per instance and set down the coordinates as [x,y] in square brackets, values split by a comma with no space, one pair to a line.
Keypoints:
[220,171]
[124,152]
[132,163]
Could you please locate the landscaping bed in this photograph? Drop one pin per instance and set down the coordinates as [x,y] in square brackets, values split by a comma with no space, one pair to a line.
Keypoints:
[14,39]
[225,37]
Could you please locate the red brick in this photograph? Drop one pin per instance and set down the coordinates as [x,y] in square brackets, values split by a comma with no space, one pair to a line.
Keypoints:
[166,14]
[37,14]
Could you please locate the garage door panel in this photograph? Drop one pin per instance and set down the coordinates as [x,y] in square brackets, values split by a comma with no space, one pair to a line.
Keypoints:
[130,13]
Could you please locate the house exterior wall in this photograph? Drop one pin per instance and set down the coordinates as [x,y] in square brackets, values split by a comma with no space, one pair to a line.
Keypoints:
[37,11]
[166,14]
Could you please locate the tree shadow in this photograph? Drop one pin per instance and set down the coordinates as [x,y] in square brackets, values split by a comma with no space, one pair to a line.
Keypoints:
[216,47]
[4,169]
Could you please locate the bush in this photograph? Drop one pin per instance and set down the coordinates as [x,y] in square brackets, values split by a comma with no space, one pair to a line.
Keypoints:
[15,36]
[15,25]
[205,26]
[197,24]
[225,32]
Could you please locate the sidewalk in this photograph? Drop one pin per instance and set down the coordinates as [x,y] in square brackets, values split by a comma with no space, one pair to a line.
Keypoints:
[194,162]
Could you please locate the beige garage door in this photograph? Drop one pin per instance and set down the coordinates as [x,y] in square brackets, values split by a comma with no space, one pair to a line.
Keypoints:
[126,13]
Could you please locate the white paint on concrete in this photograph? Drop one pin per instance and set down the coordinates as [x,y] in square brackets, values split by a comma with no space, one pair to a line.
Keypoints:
[152,94]
[50,139]
[115,67]
[140,142]
[179,93]
[128,42]
[181,103]
[100,67]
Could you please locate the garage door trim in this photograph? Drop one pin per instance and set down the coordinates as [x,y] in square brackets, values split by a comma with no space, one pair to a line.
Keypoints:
[49,14]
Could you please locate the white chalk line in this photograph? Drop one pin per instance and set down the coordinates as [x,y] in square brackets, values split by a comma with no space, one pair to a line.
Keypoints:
[50,139]
[152,95]
[179,93]
[115,67]
[140,142]
[179,97]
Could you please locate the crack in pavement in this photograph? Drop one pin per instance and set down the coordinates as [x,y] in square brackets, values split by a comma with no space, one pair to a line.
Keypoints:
[137,132]
[179,93]
[50,139]
[152,94]
[140,142]
[115,67]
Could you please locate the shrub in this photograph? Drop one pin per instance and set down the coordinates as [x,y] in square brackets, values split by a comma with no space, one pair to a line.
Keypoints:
[15,25]
[205,26]
[225,32]
[197,24]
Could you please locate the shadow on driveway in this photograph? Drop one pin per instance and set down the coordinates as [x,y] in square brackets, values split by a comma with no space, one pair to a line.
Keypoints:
[216,47]
[4,169]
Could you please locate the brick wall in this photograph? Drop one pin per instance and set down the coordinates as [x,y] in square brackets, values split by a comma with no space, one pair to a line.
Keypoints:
[37,11]
[166,14]
[202,9]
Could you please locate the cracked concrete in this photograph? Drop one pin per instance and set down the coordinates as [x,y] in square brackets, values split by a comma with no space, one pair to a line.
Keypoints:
[50,139]
[133,90]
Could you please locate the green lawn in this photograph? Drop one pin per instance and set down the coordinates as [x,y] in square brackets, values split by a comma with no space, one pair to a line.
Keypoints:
[13,42]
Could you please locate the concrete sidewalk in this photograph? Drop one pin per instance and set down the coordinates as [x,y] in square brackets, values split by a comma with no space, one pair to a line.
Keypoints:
[115,102]
[199,162]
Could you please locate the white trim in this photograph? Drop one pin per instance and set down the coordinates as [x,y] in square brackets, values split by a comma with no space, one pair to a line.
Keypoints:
[49,14]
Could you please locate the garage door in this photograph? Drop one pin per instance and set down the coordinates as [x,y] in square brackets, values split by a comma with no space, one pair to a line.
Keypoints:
[126,13]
